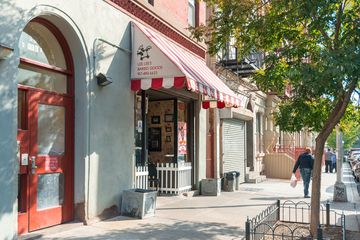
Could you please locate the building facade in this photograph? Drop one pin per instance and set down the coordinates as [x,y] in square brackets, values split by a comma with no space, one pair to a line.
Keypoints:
[249,122]
[90,97]
[268,152]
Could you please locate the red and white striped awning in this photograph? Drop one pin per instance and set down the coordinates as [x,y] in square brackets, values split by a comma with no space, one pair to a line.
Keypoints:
[157,62]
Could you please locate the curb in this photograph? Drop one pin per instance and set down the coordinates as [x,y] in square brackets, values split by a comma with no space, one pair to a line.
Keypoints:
[353,195]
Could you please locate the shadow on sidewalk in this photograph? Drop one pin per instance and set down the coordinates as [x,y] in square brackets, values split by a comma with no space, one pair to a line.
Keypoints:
[275,198]
[179,230]
[212,207]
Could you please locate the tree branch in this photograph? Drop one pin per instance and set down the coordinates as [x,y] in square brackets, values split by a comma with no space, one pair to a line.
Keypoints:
[338,23]
[328,40]
[339,110]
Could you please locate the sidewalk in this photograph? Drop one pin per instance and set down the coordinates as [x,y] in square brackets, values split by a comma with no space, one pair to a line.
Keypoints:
[201,217]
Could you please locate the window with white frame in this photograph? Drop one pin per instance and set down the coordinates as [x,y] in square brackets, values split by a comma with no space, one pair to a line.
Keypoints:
[191,13]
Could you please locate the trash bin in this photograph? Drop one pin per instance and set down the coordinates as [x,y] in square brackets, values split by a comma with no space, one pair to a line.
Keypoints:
[229,181]
[237,181]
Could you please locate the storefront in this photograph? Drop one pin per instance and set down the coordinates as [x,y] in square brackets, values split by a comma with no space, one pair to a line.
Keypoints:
[171,83]
[164,140]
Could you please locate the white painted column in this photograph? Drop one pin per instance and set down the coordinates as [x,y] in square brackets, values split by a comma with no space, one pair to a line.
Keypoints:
[340,194]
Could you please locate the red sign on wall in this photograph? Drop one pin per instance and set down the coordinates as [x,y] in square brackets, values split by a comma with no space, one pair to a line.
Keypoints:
[51,164]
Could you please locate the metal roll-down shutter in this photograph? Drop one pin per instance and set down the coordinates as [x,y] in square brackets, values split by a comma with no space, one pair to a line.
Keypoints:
[233,141]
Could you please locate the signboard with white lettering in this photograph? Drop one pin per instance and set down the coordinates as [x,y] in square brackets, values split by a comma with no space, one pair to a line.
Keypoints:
[148,61]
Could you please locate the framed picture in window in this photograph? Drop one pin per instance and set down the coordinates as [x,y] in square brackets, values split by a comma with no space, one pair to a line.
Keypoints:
[155,120]
[154,140]
[169,117]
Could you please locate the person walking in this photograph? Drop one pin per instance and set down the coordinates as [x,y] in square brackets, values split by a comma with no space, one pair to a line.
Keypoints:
[305,162]
[328,162]
[333,162]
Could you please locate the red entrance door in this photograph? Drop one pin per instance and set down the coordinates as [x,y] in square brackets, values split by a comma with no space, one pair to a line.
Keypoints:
[45,138]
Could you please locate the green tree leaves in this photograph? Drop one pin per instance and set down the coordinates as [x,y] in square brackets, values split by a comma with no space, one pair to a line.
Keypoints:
[313,46]
[350,127]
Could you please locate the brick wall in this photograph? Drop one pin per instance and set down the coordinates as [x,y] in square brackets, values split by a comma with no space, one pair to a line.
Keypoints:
[167,17]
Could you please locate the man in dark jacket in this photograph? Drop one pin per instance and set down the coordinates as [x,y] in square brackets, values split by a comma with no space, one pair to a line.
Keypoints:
[328,161]
[306,163]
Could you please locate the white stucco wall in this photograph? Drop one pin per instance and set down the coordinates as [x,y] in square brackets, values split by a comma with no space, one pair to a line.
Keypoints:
[103,116]
[8,165]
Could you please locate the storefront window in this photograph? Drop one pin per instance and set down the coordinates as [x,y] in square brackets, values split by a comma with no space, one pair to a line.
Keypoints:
[167,129]
[161,134]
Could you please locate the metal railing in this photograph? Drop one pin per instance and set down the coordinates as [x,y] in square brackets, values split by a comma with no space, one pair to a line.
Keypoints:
[274,221]
[262,222]
[287,150]
[300,213]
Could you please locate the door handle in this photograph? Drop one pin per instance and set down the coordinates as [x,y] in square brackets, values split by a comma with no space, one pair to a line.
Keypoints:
[33,165]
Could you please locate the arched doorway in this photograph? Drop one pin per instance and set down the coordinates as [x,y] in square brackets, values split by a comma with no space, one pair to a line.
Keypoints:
[45,128]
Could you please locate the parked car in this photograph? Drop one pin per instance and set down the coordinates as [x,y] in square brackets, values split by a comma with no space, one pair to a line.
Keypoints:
[354,161]
[353,149]
[353,154]
[356,171]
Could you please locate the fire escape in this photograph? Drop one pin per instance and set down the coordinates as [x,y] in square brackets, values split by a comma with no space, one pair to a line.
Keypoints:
[228,59]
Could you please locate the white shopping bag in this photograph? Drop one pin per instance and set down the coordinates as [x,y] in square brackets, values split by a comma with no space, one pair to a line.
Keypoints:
[293,180]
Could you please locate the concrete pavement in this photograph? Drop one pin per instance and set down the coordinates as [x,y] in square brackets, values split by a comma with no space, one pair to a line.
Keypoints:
[202,217]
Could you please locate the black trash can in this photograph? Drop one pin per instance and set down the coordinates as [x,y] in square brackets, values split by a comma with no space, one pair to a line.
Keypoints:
[229,181]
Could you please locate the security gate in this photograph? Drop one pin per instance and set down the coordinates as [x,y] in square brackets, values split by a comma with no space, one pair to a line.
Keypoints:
[234,150]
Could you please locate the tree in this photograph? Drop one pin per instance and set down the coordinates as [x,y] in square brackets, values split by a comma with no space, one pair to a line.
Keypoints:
[350,126]
[311,46]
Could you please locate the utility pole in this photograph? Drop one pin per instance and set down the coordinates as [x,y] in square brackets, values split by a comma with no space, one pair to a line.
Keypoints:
[339,187]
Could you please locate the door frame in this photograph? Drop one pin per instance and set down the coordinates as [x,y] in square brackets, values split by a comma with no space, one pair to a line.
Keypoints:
[68,212]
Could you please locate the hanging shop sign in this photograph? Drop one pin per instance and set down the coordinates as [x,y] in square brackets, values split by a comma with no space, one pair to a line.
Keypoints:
[147,59]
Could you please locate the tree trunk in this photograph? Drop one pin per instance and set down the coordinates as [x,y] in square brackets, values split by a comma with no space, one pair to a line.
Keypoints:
[316,184]
[334,117]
